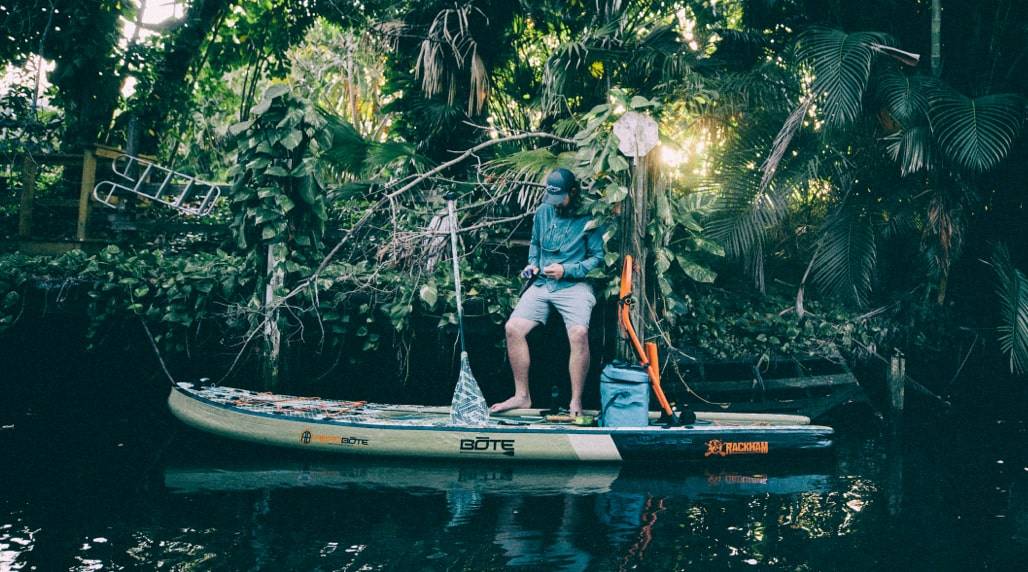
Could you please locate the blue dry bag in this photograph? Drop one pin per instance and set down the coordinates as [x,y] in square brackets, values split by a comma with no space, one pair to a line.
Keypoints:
[624,396]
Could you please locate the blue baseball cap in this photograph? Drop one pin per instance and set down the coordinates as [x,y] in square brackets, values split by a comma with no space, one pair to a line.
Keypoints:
[558,184]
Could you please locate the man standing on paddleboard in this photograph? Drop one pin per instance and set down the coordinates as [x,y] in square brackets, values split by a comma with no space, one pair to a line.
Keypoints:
[561,253]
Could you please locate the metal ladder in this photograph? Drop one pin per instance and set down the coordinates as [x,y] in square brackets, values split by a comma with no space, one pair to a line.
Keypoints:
[182,192]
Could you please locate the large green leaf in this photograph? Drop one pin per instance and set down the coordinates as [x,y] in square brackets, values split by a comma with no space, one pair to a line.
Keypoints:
[913,148]
[695,270]
[841,64]
[1012,290]
[293,139]
[904,97]
[845,260]
[348,150]
[428,294]
[975,133]
[746,216]
[350,153]
[708,246]
[382,155]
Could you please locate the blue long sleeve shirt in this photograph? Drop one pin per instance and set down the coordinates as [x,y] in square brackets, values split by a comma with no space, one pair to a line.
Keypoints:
[565,241]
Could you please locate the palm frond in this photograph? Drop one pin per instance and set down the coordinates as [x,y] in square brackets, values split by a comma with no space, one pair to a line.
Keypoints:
[510,114]
[1012,291]
[651,53]
[764,87]
[913,148]
[746,217]
[525,164]
[845,260]
[448,45]
[975,133]
[736,42]
[383,155]
[781,143]
[568,59]
[902,56]
[904,97]
[567,126]
[944,226]
[841,64]
[348,149]
[662,38]
[478,93]
[521,172]
[433,117]
[430,67]
[350,154]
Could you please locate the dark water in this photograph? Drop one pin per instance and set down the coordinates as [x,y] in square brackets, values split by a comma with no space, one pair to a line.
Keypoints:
[106,480]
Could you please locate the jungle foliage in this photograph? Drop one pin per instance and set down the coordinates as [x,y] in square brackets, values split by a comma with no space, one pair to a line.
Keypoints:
[817,188]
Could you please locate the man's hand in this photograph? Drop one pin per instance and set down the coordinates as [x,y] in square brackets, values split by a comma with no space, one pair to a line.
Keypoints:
[530,271]
[555,271]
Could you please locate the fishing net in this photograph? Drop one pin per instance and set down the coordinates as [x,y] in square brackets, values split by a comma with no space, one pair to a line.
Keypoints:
[468,407]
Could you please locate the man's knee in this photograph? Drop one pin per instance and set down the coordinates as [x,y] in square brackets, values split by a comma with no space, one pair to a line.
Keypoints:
[518,327]
[578,336]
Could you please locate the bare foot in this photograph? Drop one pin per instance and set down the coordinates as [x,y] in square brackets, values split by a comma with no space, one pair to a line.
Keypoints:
[575,407]
[516,402]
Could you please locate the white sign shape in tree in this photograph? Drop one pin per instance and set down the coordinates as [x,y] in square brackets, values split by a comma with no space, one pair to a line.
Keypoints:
[637,134]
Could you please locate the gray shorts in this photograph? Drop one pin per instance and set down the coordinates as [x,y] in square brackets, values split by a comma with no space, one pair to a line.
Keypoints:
[575,304]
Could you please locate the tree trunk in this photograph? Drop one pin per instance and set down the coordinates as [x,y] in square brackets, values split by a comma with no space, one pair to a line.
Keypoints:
[936,72]
[85,70]
[936,37]
[170,89]
[637,213]
[272,354]
[640,220]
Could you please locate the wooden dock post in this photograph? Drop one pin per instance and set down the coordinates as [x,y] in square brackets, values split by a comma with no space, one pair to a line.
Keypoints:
[28,195]
[896,382]
[893,485]
[85,192]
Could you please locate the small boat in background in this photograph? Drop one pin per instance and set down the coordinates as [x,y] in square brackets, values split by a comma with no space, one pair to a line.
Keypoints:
[369,429]
[812,386]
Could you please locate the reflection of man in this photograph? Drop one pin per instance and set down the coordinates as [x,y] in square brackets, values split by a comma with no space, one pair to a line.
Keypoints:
[565,251]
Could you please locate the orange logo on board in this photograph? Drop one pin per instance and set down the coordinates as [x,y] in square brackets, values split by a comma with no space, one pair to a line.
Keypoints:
[307,438]
[725,448]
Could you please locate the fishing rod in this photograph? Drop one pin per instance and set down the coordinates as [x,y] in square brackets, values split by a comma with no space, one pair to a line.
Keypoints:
[528,283]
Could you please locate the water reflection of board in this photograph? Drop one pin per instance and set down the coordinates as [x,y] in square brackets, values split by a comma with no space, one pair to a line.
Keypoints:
[489,478]
[360,428]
